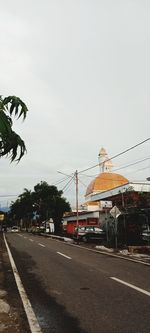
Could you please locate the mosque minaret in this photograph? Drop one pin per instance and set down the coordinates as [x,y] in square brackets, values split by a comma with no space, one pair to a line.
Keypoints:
[105,164]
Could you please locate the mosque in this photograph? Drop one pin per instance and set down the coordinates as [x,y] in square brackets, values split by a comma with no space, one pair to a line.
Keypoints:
[108,190]
[114,187]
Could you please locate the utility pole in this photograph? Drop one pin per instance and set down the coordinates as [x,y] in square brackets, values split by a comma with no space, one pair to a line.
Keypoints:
[122,200]
[116,241]
[77,209]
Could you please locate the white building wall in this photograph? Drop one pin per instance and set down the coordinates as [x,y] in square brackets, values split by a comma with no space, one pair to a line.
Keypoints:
[138,187]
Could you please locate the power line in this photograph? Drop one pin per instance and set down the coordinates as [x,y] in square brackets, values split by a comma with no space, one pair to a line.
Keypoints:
[134,163]
[143,168]
[70,181]
[67,187]
[82,183]
[62,173]
[103,178]
[90,176]
[117,155]
[61,181]
[122,167]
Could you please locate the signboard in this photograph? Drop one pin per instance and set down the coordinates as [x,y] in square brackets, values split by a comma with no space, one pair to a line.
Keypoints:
[35,216]
[115,212]
[105,204]
[2,217]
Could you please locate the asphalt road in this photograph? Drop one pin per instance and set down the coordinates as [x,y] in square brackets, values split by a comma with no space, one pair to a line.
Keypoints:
[73,290]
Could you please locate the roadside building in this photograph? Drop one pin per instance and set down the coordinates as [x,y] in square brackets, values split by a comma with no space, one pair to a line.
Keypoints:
[110,189]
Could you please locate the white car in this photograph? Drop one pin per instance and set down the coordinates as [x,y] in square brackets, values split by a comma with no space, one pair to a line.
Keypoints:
[15,229]
[146,235]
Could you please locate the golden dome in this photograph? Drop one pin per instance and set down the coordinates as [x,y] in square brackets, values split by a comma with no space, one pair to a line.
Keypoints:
[106,181]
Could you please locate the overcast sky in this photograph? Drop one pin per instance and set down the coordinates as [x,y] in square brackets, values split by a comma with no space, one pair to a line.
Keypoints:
[83,69]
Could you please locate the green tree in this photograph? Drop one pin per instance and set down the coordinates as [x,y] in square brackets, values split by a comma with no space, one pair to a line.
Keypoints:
[50,203]
[11,144]
[46,200]
[22,208]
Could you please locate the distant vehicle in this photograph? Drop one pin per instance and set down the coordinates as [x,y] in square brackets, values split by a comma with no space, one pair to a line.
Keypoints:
[48,226]
[146,235]
[15,229]
[89,233]
[35,229]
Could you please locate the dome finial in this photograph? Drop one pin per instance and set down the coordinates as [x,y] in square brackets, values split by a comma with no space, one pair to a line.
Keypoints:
[105,164]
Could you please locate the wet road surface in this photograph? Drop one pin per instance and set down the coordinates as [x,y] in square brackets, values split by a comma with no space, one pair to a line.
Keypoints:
[72,290]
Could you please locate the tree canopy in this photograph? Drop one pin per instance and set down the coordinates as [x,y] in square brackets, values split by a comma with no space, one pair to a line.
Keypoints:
[11,144]
[46,200]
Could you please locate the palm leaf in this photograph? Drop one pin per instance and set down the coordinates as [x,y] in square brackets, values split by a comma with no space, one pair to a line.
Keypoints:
[13,146]
[11,143]
[5,123]
[15,104]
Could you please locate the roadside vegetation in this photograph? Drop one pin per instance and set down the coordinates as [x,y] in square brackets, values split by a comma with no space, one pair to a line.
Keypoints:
[34,207]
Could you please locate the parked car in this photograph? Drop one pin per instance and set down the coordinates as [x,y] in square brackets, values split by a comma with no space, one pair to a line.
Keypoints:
[89,233]
[146,235]
[35,230]
[15,229]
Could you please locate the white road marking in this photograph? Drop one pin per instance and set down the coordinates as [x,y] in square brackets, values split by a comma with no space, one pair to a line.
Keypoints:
[32,320]
[41,244]
[131,286]
[64,255]
[31,240]
[24,237]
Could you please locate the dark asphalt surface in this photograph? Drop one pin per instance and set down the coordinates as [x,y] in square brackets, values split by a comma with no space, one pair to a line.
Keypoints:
[13,321]
[77,295]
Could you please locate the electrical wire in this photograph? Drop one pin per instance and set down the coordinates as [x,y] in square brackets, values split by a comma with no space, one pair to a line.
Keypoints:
[61,181]
[62,173]
[143,169]
[70,181]
[134,163]
[66,189]
[82,182]
[122,167]
[93,176]
[90,176]
[117,155]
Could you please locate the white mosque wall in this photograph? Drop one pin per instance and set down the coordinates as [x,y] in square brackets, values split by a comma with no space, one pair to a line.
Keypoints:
[137,187]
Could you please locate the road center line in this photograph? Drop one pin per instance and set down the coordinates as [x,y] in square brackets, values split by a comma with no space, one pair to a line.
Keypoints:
[41,244]
[64,255]
[31,240]
[131,286]
[24,237]
[32,320]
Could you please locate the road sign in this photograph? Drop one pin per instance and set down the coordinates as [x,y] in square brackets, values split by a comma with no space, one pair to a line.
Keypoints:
[115,212]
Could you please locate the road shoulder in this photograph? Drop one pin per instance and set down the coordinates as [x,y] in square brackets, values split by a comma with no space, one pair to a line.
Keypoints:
[12,315]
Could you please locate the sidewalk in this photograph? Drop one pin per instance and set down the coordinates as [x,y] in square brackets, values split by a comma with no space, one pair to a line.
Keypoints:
[12,316]
[126,254]
[103,249]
